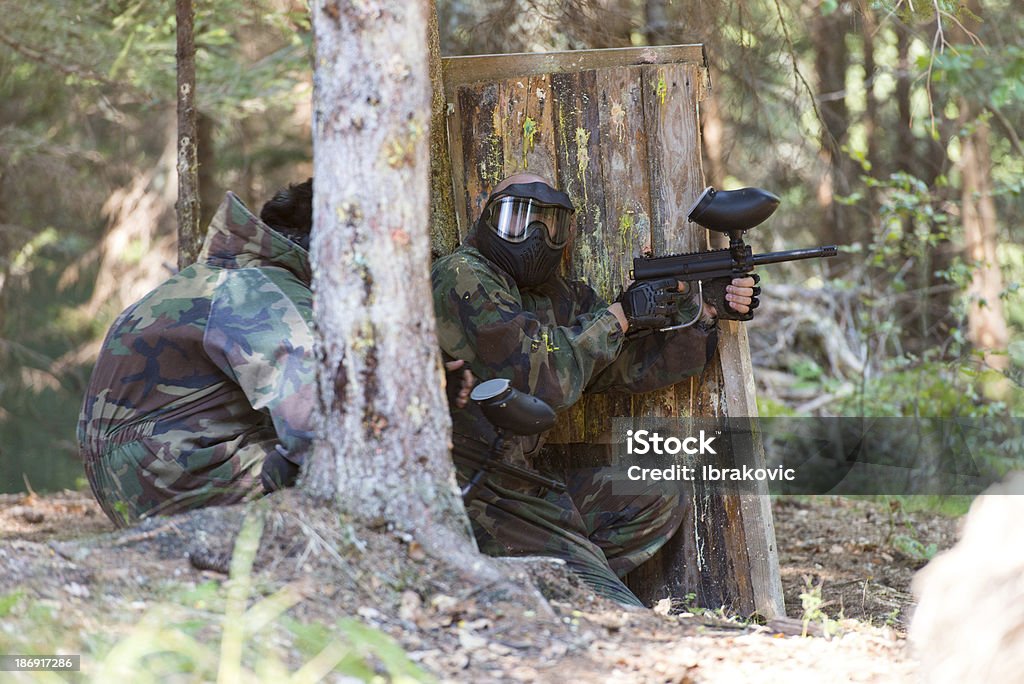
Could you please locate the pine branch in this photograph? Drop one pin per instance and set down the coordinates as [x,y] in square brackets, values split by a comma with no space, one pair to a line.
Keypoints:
[43,57]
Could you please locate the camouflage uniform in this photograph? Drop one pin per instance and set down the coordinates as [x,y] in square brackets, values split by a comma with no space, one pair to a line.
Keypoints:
[204,376]
[556,342]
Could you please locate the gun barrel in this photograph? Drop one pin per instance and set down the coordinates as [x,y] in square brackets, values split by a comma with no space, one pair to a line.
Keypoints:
[795,255]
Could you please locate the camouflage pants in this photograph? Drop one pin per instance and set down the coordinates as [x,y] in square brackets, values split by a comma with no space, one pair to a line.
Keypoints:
[134,480]
[601,534]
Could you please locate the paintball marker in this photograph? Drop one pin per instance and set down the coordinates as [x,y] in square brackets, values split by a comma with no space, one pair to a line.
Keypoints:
[731,212]
[508,410]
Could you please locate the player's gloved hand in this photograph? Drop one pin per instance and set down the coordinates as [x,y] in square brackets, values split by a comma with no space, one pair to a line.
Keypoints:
[460,381]
[742,293]
[278,471]
[650,304]
[733,299]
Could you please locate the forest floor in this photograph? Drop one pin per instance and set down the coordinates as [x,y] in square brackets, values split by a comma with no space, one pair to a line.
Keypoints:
[138,599]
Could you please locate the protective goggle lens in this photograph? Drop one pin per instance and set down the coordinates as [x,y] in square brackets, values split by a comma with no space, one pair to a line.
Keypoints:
[512,218]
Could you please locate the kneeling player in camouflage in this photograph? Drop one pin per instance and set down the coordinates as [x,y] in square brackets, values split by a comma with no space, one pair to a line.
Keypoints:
[503,309]
[204,390]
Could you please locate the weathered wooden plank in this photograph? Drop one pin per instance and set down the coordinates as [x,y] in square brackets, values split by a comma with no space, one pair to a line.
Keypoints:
[461,70]
[670,95]
[480,150]
[579,176]
[526,120]
[721,554]
[623,145]
[758,527]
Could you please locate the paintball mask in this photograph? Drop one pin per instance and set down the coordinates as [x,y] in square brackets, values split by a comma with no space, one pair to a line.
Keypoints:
[525,229]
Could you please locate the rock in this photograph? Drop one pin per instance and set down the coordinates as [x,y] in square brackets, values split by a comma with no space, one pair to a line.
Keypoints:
[368,613]
[443,603]
[416,552]
[32,515]
[470,641]
[76,589]
[969,625]
[411,608]
[663,607]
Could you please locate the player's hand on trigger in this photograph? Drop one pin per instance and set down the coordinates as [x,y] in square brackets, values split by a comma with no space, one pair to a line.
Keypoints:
[465,379]
[742,295]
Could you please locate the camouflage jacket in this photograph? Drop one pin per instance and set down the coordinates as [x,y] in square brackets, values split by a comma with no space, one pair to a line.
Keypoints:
[204,376]
[555,342]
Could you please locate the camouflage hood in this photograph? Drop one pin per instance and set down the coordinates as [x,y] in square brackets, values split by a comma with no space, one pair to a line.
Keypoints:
[238,239]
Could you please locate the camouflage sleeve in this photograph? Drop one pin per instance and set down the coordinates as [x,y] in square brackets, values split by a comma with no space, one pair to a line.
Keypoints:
[481,319]
[651,362]
[259,335]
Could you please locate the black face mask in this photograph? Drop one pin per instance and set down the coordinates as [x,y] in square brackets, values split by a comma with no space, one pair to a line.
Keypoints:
[530,262]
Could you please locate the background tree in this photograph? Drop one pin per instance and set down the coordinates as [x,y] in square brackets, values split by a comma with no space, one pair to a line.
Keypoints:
[190,233]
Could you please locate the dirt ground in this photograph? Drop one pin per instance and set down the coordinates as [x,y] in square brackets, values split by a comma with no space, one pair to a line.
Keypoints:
[846,571]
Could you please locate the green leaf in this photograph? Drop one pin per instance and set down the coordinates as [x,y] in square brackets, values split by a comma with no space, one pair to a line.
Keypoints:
[382,646]
[8,601]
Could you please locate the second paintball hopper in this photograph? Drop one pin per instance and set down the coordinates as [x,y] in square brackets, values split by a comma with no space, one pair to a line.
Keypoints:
[509,409]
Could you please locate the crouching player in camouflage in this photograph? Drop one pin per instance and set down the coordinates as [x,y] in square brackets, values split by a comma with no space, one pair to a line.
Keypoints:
[503,309]
[204,390]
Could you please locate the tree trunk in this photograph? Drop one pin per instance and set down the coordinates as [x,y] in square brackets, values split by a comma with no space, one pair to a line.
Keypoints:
[444,234]
[189,236]
[904,73]
[210,193]
[985,319]
[831,59]
[869,26]
[656,22]
[382,454]
[713,141]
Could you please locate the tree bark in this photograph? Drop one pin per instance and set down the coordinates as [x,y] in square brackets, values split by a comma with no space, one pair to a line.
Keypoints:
[209,192]
[831,59]
[656,22]
[382,454]
[869,26]
[187,208]
[713,141]
[904,73]
[985,319]
[444,234]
